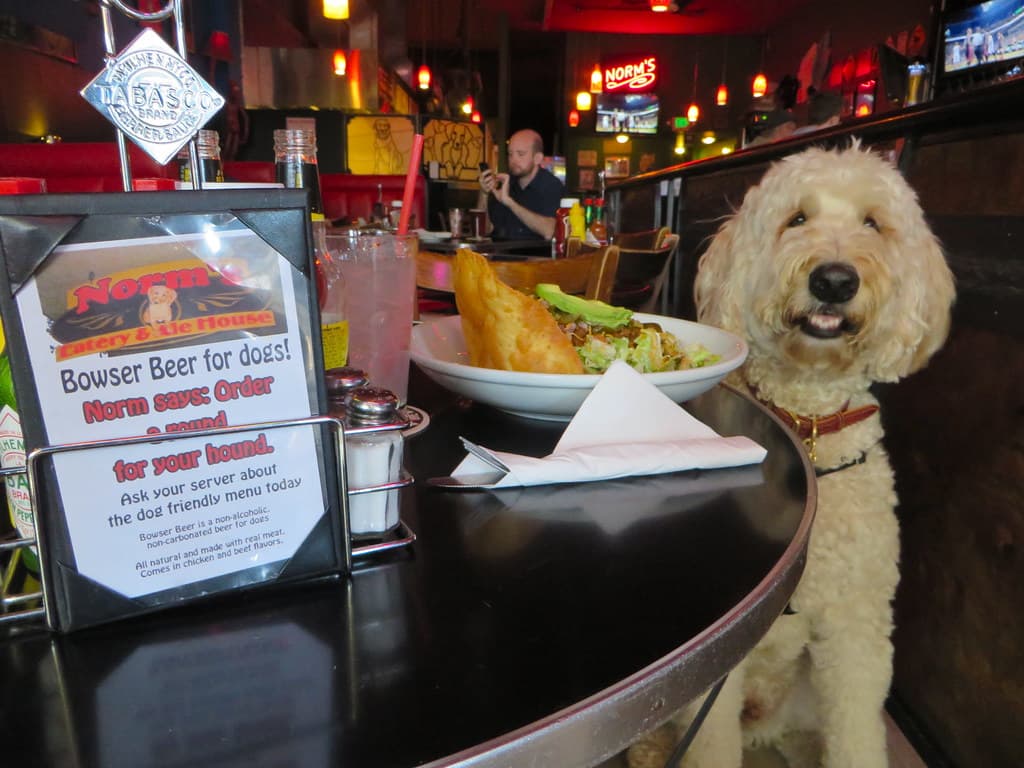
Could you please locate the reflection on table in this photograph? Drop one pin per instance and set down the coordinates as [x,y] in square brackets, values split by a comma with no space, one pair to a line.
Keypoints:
[544,626]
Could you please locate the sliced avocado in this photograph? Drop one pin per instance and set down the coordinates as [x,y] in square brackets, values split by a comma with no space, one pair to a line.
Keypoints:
[590,310]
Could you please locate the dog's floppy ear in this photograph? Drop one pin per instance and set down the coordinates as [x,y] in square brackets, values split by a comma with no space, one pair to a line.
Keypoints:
[928,293]
[717,287]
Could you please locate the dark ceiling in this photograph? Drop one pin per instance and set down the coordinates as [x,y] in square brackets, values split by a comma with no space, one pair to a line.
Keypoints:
[635,16]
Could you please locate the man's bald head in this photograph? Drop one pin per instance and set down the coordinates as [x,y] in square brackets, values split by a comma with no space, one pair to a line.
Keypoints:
[525,154]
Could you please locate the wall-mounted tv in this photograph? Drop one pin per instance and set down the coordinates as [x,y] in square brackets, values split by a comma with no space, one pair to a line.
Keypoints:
[628,112]
[981,34]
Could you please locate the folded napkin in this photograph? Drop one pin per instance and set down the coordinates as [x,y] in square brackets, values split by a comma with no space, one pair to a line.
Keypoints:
[625,427]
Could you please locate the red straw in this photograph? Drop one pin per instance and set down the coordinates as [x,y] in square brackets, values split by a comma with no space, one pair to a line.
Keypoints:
[410,183]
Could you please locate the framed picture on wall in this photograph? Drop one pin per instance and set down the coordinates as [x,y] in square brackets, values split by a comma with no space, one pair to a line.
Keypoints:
[588,178]
[586,157]
[616,167]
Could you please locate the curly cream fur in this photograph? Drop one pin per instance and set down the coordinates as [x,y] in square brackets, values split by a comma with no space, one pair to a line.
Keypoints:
[814,687]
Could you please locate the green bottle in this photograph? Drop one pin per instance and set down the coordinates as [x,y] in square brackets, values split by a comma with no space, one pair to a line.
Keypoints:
[12,453]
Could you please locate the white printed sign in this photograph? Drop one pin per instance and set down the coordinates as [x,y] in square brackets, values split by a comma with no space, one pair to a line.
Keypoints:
[162,335]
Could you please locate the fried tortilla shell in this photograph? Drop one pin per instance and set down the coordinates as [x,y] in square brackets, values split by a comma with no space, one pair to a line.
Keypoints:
[506,329]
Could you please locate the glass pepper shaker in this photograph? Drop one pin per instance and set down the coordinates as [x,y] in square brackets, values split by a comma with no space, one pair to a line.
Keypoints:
[341,382]
[372,459]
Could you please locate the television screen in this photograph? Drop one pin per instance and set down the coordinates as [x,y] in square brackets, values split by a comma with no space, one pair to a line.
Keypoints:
[983,33]
[628,112]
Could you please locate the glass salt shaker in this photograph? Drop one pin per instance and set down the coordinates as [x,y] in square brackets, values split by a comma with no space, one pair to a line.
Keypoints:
[372,459]
[341,382]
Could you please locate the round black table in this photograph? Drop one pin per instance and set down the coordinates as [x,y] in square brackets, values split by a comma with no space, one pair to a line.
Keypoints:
[545,627]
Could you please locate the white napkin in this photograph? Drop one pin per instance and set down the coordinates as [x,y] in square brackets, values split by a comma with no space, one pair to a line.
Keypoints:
[625,427]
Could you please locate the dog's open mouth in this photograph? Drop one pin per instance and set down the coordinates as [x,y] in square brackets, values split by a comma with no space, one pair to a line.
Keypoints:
[825,323]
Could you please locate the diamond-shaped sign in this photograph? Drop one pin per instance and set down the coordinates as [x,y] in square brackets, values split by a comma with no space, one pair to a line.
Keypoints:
[153,96]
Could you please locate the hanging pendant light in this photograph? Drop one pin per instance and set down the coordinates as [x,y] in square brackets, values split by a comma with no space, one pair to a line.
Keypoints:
[596,80]
[476,117]
[336,9]
[722,94]
[467,106]
[680,145]
[340,63]
[574,118]
[584,101]
[423,77]
[693,113]
[760,85]
[659,6]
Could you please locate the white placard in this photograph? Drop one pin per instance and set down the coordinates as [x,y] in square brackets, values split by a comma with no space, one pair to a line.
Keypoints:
[168,334]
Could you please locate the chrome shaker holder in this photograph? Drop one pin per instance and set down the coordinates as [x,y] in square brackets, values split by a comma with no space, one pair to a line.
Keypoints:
[24,604]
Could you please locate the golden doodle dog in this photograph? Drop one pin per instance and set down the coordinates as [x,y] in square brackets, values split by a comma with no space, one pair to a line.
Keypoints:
[831,274]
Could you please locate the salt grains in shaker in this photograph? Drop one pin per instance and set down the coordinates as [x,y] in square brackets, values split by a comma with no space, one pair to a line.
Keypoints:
[372,459]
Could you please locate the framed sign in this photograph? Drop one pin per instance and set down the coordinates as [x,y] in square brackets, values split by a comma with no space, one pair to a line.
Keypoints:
[146,314]
[616,167]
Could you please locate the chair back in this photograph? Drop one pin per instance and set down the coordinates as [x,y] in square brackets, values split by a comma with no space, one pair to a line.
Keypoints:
[642,274]
[647,240]
[590,274]
[587,273]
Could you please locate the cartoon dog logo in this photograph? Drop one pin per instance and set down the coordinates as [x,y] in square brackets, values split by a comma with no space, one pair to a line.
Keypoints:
[457,149]
[161,306]
[387,157]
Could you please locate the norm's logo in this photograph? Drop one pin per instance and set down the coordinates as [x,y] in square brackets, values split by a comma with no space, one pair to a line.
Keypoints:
[153,96]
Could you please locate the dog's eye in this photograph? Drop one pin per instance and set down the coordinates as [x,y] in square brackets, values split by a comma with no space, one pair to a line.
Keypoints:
[869,221]
[797,220]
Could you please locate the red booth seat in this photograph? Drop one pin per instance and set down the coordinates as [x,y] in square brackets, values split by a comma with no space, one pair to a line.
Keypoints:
[95,167]
[79,166]
[345,195]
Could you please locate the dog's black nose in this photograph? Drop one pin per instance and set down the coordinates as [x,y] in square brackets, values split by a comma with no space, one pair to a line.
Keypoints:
[834,282]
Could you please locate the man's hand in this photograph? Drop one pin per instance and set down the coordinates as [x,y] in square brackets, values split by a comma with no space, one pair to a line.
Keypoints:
[488,181]
[497,184]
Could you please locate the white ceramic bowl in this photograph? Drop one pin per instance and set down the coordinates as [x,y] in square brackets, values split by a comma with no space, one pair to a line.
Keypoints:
[440,350]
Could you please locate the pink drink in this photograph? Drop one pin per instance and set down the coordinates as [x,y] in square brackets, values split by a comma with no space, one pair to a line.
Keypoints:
[379,274]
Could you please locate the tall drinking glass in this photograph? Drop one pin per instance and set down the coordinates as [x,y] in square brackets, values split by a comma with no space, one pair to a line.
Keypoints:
[379,275]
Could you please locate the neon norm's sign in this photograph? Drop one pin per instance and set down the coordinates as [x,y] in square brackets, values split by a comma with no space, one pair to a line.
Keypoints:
[636,74]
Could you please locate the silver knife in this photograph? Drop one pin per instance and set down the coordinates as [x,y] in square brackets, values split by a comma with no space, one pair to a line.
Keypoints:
[484,455]
[467,482]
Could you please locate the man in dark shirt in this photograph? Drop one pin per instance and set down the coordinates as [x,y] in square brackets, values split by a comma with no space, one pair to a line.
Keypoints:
[522,202]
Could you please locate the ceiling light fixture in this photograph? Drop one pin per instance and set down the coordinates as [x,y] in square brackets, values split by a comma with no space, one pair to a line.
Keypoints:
[584,101]
[760,87]
[596,80]
[693,111]
[722,94]
[659,6]
[336,9]
[709,137]
[680,145]
[340,63]
[476,117]
[423,77]
[622,138]
[574,118]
